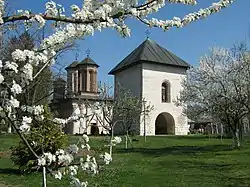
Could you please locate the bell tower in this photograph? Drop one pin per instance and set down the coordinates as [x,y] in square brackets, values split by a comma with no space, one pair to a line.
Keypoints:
[82,78]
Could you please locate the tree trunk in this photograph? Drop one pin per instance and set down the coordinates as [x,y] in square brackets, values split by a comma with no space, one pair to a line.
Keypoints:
[9,129]
[44,177]
[221,131]
[236,138]
[126,141]
[216,127]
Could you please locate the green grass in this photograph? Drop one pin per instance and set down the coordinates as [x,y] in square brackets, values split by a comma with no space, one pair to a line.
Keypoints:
[160,162]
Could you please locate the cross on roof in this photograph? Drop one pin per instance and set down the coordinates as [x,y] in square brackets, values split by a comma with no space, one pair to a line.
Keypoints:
[88,52]
[147,33]
[77,55]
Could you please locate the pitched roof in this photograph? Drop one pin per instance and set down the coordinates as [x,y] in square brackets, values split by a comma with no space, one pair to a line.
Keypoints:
[72,65]
[86,61]
[151,52]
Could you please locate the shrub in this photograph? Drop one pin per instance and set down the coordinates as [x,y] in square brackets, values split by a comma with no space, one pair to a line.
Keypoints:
[45,135]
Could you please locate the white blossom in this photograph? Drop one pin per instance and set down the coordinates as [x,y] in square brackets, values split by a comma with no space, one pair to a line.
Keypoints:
[1,11]
[73,149]
[40,20]
[77,183]
[16,88]
[85,138]
[11,66]
[106,157]
[27,119]
[13,102]
[24,128]
[75,8]
[49,158]
[27,71]
[18,55]
[38,110]
[64,157]
[41,161]
[58,175]
[73,170]
[51,8]
[87,146]
[1,78]
[117,140]
[34,143]
[60,152]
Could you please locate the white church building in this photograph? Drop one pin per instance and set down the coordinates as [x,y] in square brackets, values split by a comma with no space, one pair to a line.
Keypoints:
[154,73]
[150,71]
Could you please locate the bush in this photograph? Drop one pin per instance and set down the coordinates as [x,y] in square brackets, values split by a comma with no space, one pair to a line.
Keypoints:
[54,139]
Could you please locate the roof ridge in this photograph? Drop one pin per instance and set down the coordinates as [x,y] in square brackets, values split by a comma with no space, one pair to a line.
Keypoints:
[143,47]
[150,51]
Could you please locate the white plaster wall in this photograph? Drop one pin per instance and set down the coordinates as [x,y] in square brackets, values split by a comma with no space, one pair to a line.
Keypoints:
[152,78]
[131,79]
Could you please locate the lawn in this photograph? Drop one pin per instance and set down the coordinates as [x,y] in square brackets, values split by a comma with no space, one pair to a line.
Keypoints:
[160,162]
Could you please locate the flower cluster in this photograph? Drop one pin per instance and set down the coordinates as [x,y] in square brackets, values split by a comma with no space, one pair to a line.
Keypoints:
[116,140]
[178,22]
[53,9]
[16,88]
[1,11]
[39,19]
[106,157]
[46,159]
[65,160]
[36,110]
[25,127]
[77,183]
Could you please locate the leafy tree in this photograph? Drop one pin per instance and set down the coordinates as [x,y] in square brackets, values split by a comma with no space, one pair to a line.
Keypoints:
[45,136]
[219,89]
[122,111]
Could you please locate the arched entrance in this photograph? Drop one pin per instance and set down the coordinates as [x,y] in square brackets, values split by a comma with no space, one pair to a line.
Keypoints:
[94,129]
[164,124]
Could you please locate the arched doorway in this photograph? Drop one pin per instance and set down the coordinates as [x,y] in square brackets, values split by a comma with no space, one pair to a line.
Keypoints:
[94,129]
[164,124]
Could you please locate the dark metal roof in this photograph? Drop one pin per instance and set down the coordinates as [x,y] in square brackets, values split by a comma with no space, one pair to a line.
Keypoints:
[149,51]
[72,65]
[86,61]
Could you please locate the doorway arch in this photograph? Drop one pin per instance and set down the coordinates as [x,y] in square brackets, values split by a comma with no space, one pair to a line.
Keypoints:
[94,129]
[164,124]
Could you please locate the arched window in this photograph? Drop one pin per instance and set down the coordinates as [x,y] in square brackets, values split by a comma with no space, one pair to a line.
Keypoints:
[165,92]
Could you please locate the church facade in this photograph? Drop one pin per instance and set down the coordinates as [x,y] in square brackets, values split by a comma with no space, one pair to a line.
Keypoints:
[80,98]
[154,73]
[150,72]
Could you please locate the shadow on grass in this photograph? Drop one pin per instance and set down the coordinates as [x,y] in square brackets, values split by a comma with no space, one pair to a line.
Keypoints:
[202,137]
[214,171]
[10,171]
[176,150]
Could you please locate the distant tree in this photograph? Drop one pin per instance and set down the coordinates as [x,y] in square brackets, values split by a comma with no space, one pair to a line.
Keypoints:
[219,88]
[122,110]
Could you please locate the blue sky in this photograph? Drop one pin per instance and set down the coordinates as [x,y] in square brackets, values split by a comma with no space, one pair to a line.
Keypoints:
[223,29]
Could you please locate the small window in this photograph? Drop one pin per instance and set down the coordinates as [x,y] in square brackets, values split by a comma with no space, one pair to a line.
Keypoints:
[165,92]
